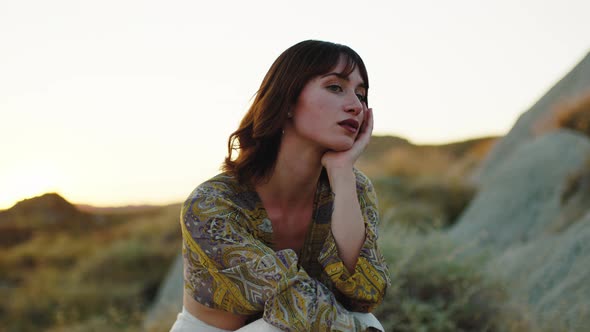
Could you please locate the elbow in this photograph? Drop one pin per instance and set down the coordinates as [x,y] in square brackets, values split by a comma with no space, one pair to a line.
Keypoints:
[367,301]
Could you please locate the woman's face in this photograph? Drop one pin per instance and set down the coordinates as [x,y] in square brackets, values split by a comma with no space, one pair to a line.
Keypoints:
[331,108]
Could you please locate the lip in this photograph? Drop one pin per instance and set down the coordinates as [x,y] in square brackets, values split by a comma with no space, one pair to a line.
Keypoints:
[350,124]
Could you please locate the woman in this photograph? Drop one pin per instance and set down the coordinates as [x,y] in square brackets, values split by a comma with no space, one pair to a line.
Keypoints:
[287,235]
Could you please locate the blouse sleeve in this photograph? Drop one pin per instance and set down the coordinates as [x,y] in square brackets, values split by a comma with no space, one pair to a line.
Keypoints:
[365,288]
[227,268]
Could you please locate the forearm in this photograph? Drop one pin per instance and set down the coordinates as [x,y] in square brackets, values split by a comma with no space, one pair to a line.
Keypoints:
[363,287]
[348,227]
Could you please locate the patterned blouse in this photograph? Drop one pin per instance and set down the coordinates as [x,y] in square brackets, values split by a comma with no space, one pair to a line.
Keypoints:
[229,263]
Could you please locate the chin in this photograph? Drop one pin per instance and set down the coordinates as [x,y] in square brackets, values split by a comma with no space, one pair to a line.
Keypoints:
[342,145]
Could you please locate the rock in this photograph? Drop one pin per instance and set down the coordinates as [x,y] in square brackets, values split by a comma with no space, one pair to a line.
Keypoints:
[521,214]
[573,85]
[552,276]
[521,198]
[168,302]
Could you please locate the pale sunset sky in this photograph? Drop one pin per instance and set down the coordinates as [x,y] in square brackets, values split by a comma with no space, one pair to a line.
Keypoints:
[131,102]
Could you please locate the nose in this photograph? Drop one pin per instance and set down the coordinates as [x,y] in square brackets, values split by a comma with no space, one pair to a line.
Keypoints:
[354,106]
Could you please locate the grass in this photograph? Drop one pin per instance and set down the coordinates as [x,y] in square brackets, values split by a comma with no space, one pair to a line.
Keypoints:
[100,280]
[424,203]
[572,114]
[391,157]
[435,290]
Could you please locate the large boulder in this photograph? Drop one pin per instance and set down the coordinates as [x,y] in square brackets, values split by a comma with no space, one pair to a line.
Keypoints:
[168,301]
[533,215]
[574,85]
[551,275]
[521,199]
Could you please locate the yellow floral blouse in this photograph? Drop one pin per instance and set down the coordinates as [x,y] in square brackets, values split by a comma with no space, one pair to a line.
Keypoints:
[229,263]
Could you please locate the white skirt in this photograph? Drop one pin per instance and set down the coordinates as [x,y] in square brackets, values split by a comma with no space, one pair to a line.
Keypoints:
[185,322]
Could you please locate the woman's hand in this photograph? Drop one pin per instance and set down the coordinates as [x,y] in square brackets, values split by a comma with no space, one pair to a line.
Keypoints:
[346,159]
[348,227]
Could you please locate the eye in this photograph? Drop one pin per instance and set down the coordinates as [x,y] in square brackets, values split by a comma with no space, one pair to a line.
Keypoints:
[362,97]
[334,88]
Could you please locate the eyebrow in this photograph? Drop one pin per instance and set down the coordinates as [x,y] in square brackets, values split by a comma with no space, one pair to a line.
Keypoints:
[341,76]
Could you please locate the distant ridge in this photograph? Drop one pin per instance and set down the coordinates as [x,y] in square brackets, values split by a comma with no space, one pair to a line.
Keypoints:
[116,209]
[46,213]
[380,145]
[391,155]
[45,210]
[43,203]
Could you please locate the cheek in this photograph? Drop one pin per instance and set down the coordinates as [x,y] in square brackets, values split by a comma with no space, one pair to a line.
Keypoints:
[319,110]
[311,113]
[309,123]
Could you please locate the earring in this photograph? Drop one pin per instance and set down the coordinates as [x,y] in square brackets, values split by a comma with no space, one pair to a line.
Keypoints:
[289,114]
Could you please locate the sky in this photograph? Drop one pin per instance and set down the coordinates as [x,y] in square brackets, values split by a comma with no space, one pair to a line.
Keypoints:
[113,103]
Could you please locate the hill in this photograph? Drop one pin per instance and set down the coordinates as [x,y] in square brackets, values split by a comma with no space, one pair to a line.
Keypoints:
[71,270]
[44,210]
[47,213]
[387,156]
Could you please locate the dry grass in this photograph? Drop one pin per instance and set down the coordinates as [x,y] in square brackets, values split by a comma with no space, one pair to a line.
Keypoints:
[454,160]
[573,114]
[407,161]
[435,290]
[422,203]
[100,280]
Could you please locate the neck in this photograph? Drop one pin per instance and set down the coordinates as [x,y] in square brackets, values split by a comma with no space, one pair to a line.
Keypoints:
[295,176]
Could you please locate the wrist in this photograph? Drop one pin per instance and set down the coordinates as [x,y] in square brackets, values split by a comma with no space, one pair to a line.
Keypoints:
[339,168]
[342,178]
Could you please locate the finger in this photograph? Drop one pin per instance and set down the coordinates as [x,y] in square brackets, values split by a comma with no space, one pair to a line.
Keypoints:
[365,134]
[367,126]
[363,127]
[366,118]
[370,121]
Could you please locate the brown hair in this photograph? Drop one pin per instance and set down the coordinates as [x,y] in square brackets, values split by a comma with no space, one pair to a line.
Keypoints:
[258,137]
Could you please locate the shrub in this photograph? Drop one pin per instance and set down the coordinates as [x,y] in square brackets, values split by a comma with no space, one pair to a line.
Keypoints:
[433,290]
[423,203]
[88,281]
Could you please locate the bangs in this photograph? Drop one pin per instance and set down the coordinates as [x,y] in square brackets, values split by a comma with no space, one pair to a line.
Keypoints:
[328,61]
[350,64]
[303,62]
[325,59]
